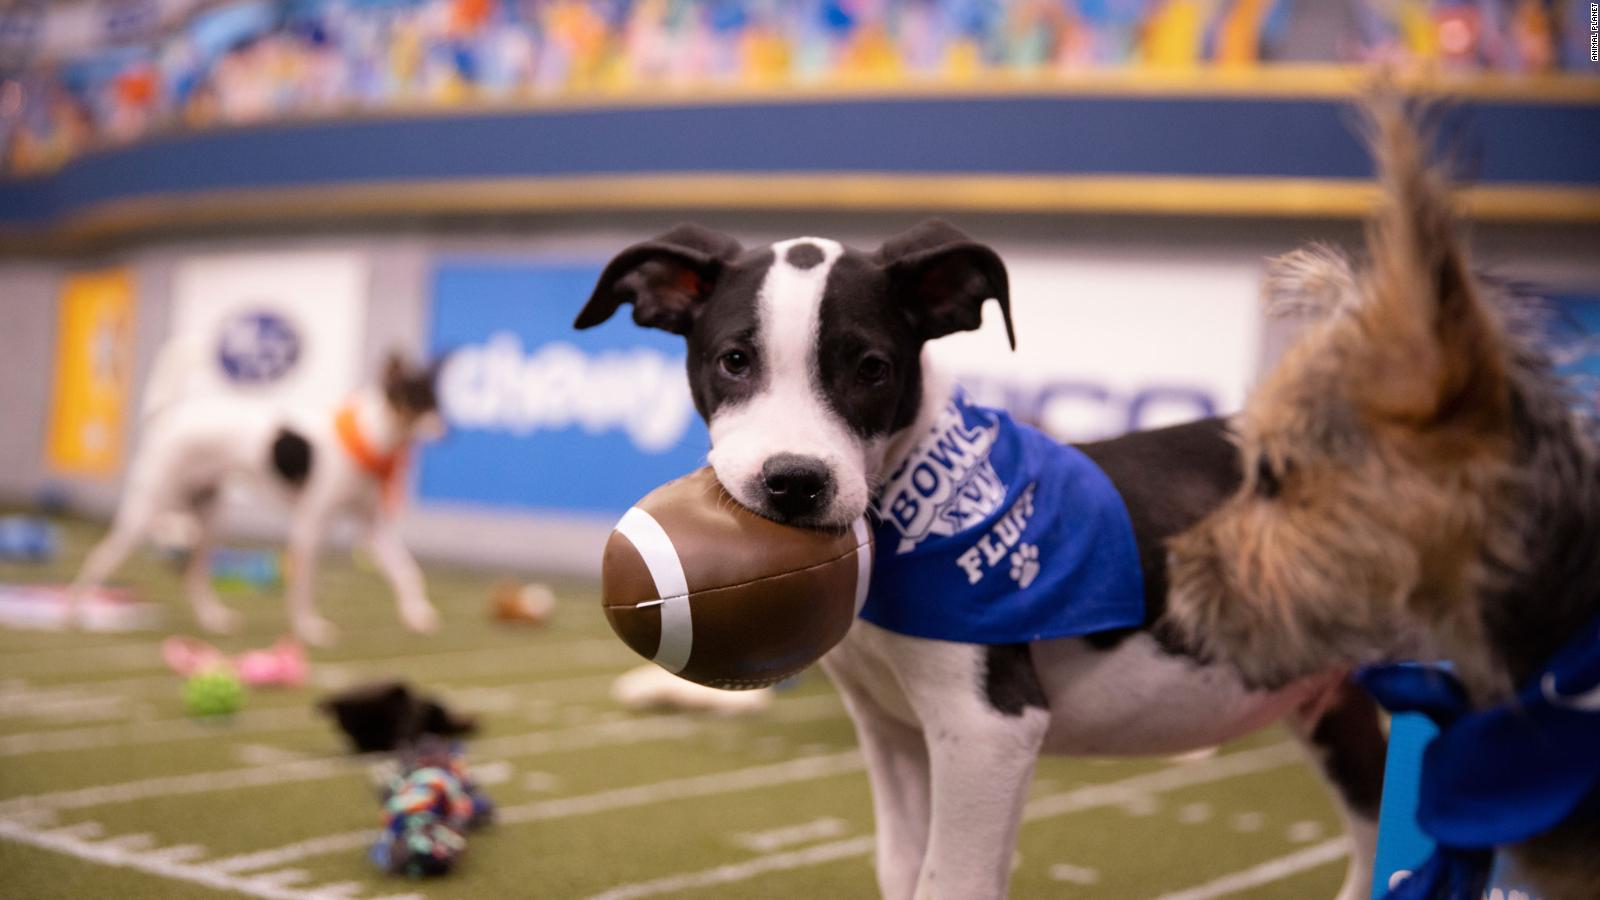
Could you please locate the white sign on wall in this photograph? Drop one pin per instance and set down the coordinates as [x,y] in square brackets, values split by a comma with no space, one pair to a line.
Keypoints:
[1107,345]
[280,329]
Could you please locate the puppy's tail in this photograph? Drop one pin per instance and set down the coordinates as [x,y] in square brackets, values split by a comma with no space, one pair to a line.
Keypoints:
[172,376]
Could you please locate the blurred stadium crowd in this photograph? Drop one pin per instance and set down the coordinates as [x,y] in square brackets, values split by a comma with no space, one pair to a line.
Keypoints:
[79,74]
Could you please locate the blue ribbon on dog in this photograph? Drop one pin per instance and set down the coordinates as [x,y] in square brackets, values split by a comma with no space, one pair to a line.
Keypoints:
[1501,775]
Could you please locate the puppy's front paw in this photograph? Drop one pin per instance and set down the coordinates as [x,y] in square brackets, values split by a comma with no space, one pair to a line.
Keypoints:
[421,618]
[316,631]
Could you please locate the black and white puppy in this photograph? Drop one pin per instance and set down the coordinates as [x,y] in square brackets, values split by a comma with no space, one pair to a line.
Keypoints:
[806,360]
[345,458]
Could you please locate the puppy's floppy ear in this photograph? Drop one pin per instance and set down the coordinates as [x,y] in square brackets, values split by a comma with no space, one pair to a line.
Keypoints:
[665,279]
[942,278]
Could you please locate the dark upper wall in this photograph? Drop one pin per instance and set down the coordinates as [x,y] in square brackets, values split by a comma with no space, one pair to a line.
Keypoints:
[1527,155]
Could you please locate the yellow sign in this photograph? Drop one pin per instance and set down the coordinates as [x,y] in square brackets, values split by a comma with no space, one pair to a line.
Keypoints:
[94,364]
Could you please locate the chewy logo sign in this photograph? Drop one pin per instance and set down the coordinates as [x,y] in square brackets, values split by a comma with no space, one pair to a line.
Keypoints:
[541,416]
[502,386]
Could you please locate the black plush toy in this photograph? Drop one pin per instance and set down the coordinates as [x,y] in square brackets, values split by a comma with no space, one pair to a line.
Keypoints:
[388,715]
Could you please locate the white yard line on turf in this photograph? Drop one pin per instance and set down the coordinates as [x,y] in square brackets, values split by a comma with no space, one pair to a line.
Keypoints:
[579,737]
[178,853]
[288,853]
[109,854]
[806,768]
[120,699]
[16,693]
[498,661]
[790,835]
[743,871]
[156,732]
[65,660]
[1269,871]
[492,661]
[175,785]
[74,703]
[115,690]
[1230,765]
[1092,796]
[282,877]
[714,784]
[292,718]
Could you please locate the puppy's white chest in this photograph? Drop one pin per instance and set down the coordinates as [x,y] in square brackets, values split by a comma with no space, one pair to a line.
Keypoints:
[886,668]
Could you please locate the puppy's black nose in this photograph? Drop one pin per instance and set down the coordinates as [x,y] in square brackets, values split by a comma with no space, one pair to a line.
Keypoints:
[797,486]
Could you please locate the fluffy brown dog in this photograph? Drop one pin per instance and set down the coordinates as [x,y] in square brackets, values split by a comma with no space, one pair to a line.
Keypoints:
[1417,485]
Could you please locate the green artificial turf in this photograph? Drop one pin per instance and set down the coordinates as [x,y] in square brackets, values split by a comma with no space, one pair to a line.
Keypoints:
[107,789]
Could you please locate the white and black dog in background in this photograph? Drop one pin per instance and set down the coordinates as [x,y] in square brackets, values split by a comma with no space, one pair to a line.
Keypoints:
[345,459]
[806,360]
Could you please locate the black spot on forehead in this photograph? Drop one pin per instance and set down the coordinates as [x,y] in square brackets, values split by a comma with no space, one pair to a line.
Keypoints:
[803,255]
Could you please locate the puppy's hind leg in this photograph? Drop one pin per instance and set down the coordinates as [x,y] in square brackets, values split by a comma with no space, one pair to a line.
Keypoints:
[982,748]
[132,520]
[208,610]
[404,576]
[1342,732]
[306,528]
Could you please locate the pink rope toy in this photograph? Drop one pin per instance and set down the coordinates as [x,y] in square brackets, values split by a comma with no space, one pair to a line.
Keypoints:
[281,665]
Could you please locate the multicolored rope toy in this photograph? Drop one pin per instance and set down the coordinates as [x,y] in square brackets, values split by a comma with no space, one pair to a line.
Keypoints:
[427,811]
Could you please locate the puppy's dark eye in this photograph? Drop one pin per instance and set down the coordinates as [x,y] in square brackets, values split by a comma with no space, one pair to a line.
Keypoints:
[1268,482]
[873,370]
[734,363]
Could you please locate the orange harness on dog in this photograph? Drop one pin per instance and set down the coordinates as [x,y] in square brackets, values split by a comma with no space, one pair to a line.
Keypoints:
[385,467]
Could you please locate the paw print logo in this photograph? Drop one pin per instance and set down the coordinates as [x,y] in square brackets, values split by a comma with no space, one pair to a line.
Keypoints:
[1025,565]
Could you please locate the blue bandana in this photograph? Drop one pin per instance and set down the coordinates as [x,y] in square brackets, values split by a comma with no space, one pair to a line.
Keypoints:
[1501,775]
[990,532]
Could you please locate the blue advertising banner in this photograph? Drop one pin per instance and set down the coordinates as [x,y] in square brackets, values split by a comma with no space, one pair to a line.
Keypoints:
[544,417]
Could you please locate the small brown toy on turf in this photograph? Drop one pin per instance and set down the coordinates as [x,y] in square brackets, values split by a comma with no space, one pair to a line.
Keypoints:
[521,604]
[721,596]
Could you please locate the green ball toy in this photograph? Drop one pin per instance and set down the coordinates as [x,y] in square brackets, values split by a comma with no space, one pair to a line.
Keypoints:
[215,692]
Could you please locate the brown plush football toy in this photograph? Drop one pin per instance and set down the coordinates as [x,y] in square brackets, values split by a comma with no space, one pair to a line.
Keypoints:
[721,596]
